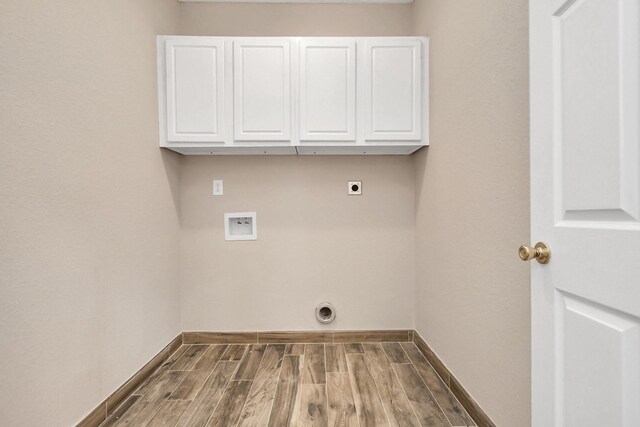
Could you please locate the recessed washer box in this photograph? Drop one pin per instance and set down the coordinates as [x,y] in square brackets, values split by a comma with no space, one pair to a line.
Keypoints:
[240,226]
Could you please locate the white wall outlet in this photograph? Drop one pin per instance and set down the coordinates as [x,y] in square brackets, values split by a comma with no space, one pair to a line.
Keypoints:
[218,189]
[354,188]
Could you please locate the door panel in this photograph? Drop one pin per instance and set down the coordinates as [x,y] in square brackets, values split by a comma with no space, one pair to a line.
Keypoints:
[597,112]
[262,90]
[327,90]
[195,90]
[393,80]
[599,363]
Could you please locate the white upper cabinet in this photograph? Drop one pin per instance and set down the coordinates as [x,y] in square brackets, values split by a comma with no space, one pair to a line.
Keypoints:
[262,89]
[327,90]
[195,89]
[393,80]
[293,95]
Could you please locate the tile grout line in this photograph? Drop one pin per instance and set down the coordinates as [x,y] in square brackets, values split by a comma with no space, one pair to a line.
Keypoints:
[202,386]
[445,384]
[425,384]
[226,387]
[326,380]
[252,383]
[181,381]
[247,396]
[405,353]
[168,367]
[353,392]
[145,422]
[303,362]
[200,357]
[391,362]
[407,396]
[205,380]
[106,401]
[187,346]
[326,399]
[386,355]
[124,400]
[275,392]
[324,351]
[448,385]
[366,364]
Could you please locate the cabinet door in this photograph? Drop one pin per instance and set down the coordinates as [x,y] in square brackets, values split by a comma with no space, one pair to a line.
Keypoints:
[327,90]
[195,89]
[262,89]
[393,90]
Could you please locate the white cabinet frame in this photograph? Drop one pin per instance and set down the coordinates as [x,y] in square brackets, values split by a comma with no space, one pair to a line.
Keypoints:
[260,87]
[314,79]
[383,84]
[199,114]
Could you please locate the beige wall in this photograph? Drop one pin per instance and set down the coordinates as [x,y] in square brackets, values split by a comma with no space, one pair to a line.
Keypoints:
[294,19]
[472,201]
[88,218]
[315,243]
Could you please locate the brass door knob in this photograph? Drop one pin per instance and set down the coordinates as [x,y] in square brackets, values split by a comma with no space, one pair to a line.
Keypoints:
[540,252]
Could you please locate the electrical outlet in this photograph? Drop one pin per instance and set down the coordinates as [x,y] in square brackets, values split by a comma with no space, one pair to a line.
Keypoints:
[218,189]
[354,188]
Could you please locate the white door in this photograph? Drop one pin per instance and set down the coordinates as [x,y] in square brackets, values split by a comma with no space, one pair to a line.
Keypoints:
[262,89]
[585,202]
[393,78]
[327,90]
[195,89]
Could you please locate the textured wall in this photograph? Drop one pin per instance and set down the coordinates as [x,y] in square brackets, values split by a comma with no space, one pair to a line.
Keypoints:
[472,201]
[315,243]
[89,222]
[251,19]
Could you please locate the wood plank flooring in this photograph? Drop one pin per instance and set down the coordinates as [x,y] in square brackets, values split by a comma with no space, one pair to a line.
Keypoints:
[293,384]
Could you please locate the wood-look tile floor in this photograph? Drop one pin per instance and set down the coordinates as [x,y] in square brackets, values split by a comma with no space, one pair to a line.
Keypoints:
[372,384]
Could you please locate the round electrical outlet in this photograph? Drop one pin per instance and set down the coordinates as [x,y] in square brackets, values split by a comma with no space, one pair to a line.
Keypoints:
[354,188]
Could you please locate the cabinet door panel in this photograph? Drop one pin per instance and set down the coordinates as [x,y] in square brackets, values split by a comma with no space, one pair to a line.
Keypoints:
[262,90]
[327,90]
[195,90]
[393,90]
